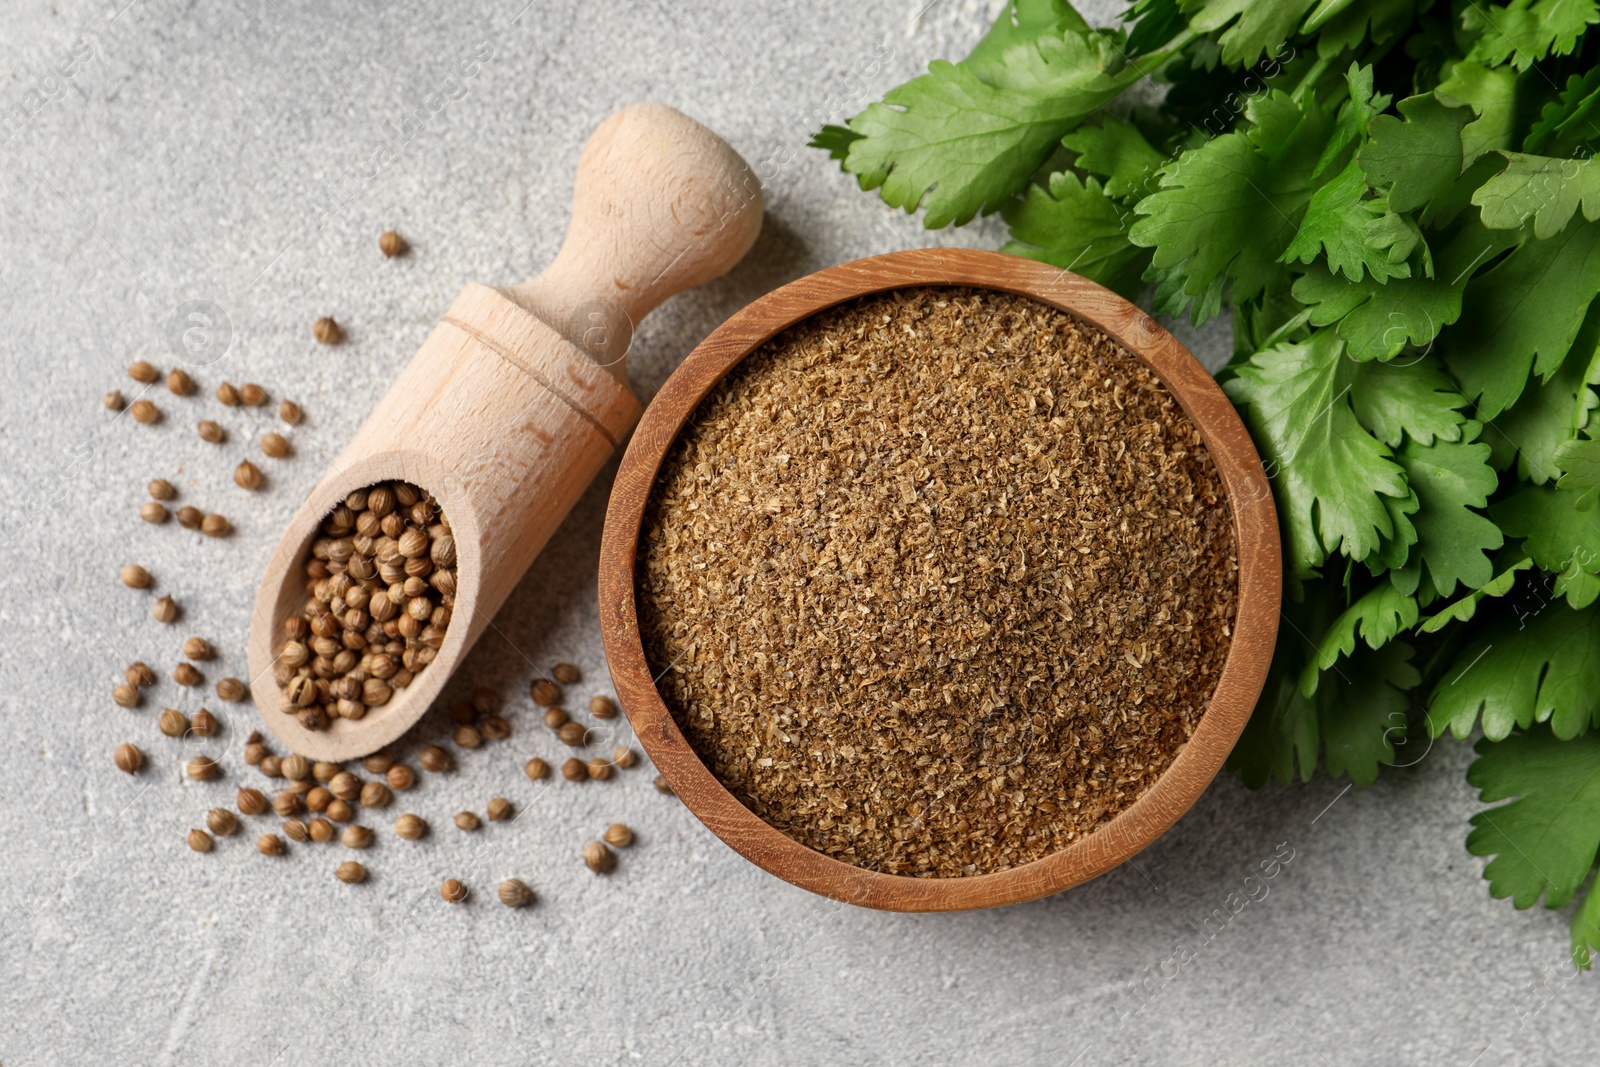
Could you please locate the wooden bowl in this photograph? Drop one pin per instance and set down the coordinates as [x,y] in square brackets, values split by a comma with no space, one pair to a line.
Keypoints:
[1243,673]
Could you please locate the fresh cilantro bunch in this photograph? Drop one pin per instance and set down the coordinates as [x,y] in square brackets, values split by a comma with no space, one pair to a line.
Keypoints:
[1396,202]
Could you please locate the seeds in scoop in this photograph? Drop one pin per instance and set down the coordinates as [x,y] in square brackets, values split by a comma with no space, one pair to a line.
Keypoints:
[340,811]
[290,412]
[295,830]
[494,728]
[573,733]
[321,831]
[565,673]
[624,757]
[126,695]
[270,845]
[230,689]
[599,769]
[326,331]
[296,767]
[453,891]
[466,820]
[146,412]
[172,723]
[247,475]
[153,512]
[215,526]
[400,777]
[573,770]
[545,693]
[179,383]
[435,759]
[250,801]
[663,786]
[190,517]
[271,766]
[601,707]
[350,872]
[288,804]
[203,769]
[598,858]
[409,827]
[514,893]
[165,609]
[356,837]
[618,835]
[536,769]
[211,432]
[199,840]
[274,445]
[345,786]
[500,809]
[139,674]
[128,758]
[197,648]
[555,718]
[228,395]
[391,244]
[185,674]
[113,401]
[467,737]
[135,577]
[141,371]
[376,795]
[252,395]
[204,724]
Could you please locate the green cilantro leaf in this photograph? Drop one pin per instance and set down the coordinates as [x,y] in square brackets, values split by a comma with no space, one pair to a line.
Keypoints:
[1525,31]
[1466,607]
[1341,221]
[1260,27]
[1118,152]
[1078,228]
[1415,399]
[1548,191]
[1155,23]
[1579,463]
[1378,616]
[835,140]
[1571,120]
[1344,24]
[1491,93]
[1378,320]
[1451,479]
[1544,842]
[1562,538]
[1419,158]
[1550,413]
[1586,927]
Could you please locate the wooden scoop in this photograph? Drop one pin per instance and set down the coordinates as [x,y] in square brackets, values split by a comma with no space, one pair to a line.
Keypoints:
[520,395]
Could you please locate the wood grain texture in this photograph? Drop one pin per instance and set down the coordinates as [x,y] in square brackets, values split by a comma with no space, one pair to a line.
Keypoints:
[519,396]
[1244,673]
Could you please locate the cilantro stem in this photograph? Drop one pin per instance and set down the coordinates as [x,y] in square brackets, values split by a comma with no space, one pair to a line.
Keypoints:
[1318,69]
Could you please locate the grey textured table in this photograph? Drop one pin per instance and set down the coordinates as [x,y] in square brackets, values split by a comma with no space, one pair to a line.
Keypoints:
[248,154]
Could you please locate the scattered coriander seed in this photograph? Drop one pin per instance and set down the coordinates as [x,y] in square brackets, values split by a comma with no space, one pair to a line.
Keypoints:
[494,728]
[228,395]
[324,771]
[453,891]
[356,837]
[185,674]
[190,517]
[250,801]
[128,758]
[618,835]
[376,795]
[255,752]
[160,489]
[486,701]
[536,769]
[197,648]
[326,331]
[295,830]
[514,893]
[664,786]
[463,713]
[555,718]
[165,609]
[247,475]
[271,766]
[199,840]
[204,724]
[391,244]
[573,733]
[377,763]
[270,845]
[597,857]
[321,831]
[340,811]
[153,512]
[135,577]
[146,412]
[215,526]
[350,872]
[290,412]
[303,786]
[288,804]
[210,431]
[252,395]
[274,445]
[345,786]
[602,707]
[173,723]
[179,383]
[318,799]
[139,674]
[435,759]
[221,821]
[125,695]
[599,769]
[467,737]
[624,757]
[141,371]
[113,401]
[409,827]
[545,692]
[296,767]
[500,809]
[466,820]
[573,770]
[230,689]
[400,777]
[203,769]
[565,673]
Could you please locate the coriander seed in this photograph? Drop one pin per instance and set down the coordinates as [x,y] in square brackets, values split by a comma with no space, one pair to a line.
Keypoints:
[326,331]
[318,798]
[340,811]
[536,769]
[274,445]
[555,718]
[179,383]
[565,673]
[255,752]
[190,517]
[271,766]
[185,674]
[453,891]
[204,724]
[376,795]
[135,577]
[378,762]
[599,769]
[228,395]
[165,609]
[324,771]
[250,801]
[500,809]
[160,489]
[350,872]
[514,893]
[141,371]
[128,758]
[197,648]
[288,804]
[624,757]
[598,858]
[247,475]
[573,770]
[230,689]
[663,786]
[125,695]
[145,412]
[199,840]
[113,401]
[290,412]
[574,734]
[400,777]
[252,395]
[221,821]
[618,835]
[391,244]
[545,692]
[467,737]
[139,674]
[345,786]
[215,526]
[409,827]
[321,831]
[210,431]
[296,767]
[435,759]
[463,713]
[270,845]
[494,728]
[203,769]
[356,837]
[172,723]
[295,830]
[602,707]
[153,512]
[486,701]
[466,820]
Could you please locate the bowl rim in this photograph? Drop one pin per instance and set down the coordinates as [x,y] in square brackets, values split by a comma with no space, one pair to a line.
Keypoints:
[1179,786]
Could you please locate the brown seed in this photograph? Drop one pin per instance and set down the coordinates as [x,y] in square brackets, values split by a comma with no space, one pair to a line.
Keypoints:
[536,769]
[139,674]
[409,827]
[271,766]
[274,445]
[270,845]
[204,724]
[221,821]
[467,737]
[135,577]
[160,489]
[321,830]
[598,857]
[228,395]
[290,412]
[252,394]
[230,689]
[565,673]
[345,786]
[376,795]
[500,809]
[172,723]
[179,383]
[126,695]
[203,769]
[624,757]
[453,891]
[318,798]
[215,526]
[197,648]
[190,517]
[141,371]
[295,830]
[296,767]
[303,786]
[618,836]
[326,331]
[487,701]
[664,786]
[199,840]
[340,811]
[573,770]
[153,512]
[247,475]
[400,777]
[255,752]
[494,728]
[165,609]
[514,893]
[113,401]
[463,713]
[211,432]
[356,837]
[573,733]
[324,771]
[146,412]
[435,759]
[185,674]
[466,820]
[391,244]
[545,692]
[555,718]
[250,801]
[288,804]
[599,769]
[350,872]
[601,707]
[128,758]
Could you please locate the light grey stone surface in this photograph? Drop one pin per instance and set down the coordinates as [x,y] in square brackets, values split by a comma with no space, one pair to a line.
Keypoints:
[220,150]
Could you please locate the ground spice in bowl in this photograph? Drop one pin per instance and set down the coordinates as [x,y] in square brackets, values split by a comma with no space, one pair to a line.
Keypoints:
[937,581]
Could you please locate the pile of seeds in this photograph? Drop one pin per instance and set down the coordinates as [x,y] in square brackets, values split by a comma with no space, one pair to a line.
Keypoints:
[380,584]
[938,581]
